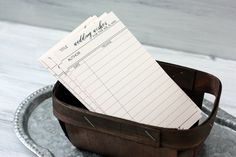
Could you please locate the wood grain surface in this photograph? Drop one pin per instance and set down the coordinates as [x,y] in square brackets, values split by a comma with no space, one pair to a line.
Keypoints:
[21,74]
[197,26]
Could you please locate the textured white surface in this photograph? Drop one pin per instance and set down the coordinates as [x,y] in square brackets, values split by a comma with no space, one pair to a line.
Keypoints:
[201,26]
[21,74]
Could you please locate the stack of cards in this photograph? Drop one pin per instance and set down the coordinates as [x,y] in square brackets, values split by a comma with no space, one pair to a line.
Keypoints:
[103,65]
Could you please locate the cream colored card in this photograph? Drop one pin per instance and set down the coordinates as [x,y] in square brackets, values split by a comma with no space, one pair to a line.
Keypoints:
[47,62]
[111,73]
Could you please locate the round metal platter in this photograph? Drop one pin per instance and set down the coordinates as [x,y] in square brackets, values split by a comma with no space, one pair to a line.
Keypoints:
[39,130]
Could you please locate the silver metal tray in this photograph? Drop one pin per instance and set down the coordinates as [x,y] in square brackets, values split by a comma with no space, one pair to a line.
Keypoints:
[39,130]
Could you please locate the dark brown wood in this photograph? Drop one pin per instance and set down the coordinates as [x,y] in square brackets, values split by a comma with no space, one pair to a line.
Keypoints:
[112,136]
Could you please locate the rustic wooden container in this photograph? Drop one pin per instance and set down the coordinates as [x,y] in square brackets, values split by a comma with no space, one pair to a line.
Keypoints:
[112,136]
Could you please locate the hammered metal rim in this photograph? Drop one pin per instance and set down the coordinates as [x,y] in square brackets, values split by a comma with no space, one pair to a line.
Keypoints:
[21,131]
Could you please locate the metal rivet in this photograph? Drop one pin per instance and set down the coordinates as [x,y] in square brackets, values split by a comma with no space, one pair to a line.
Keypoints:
[149,135]
[89,121]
